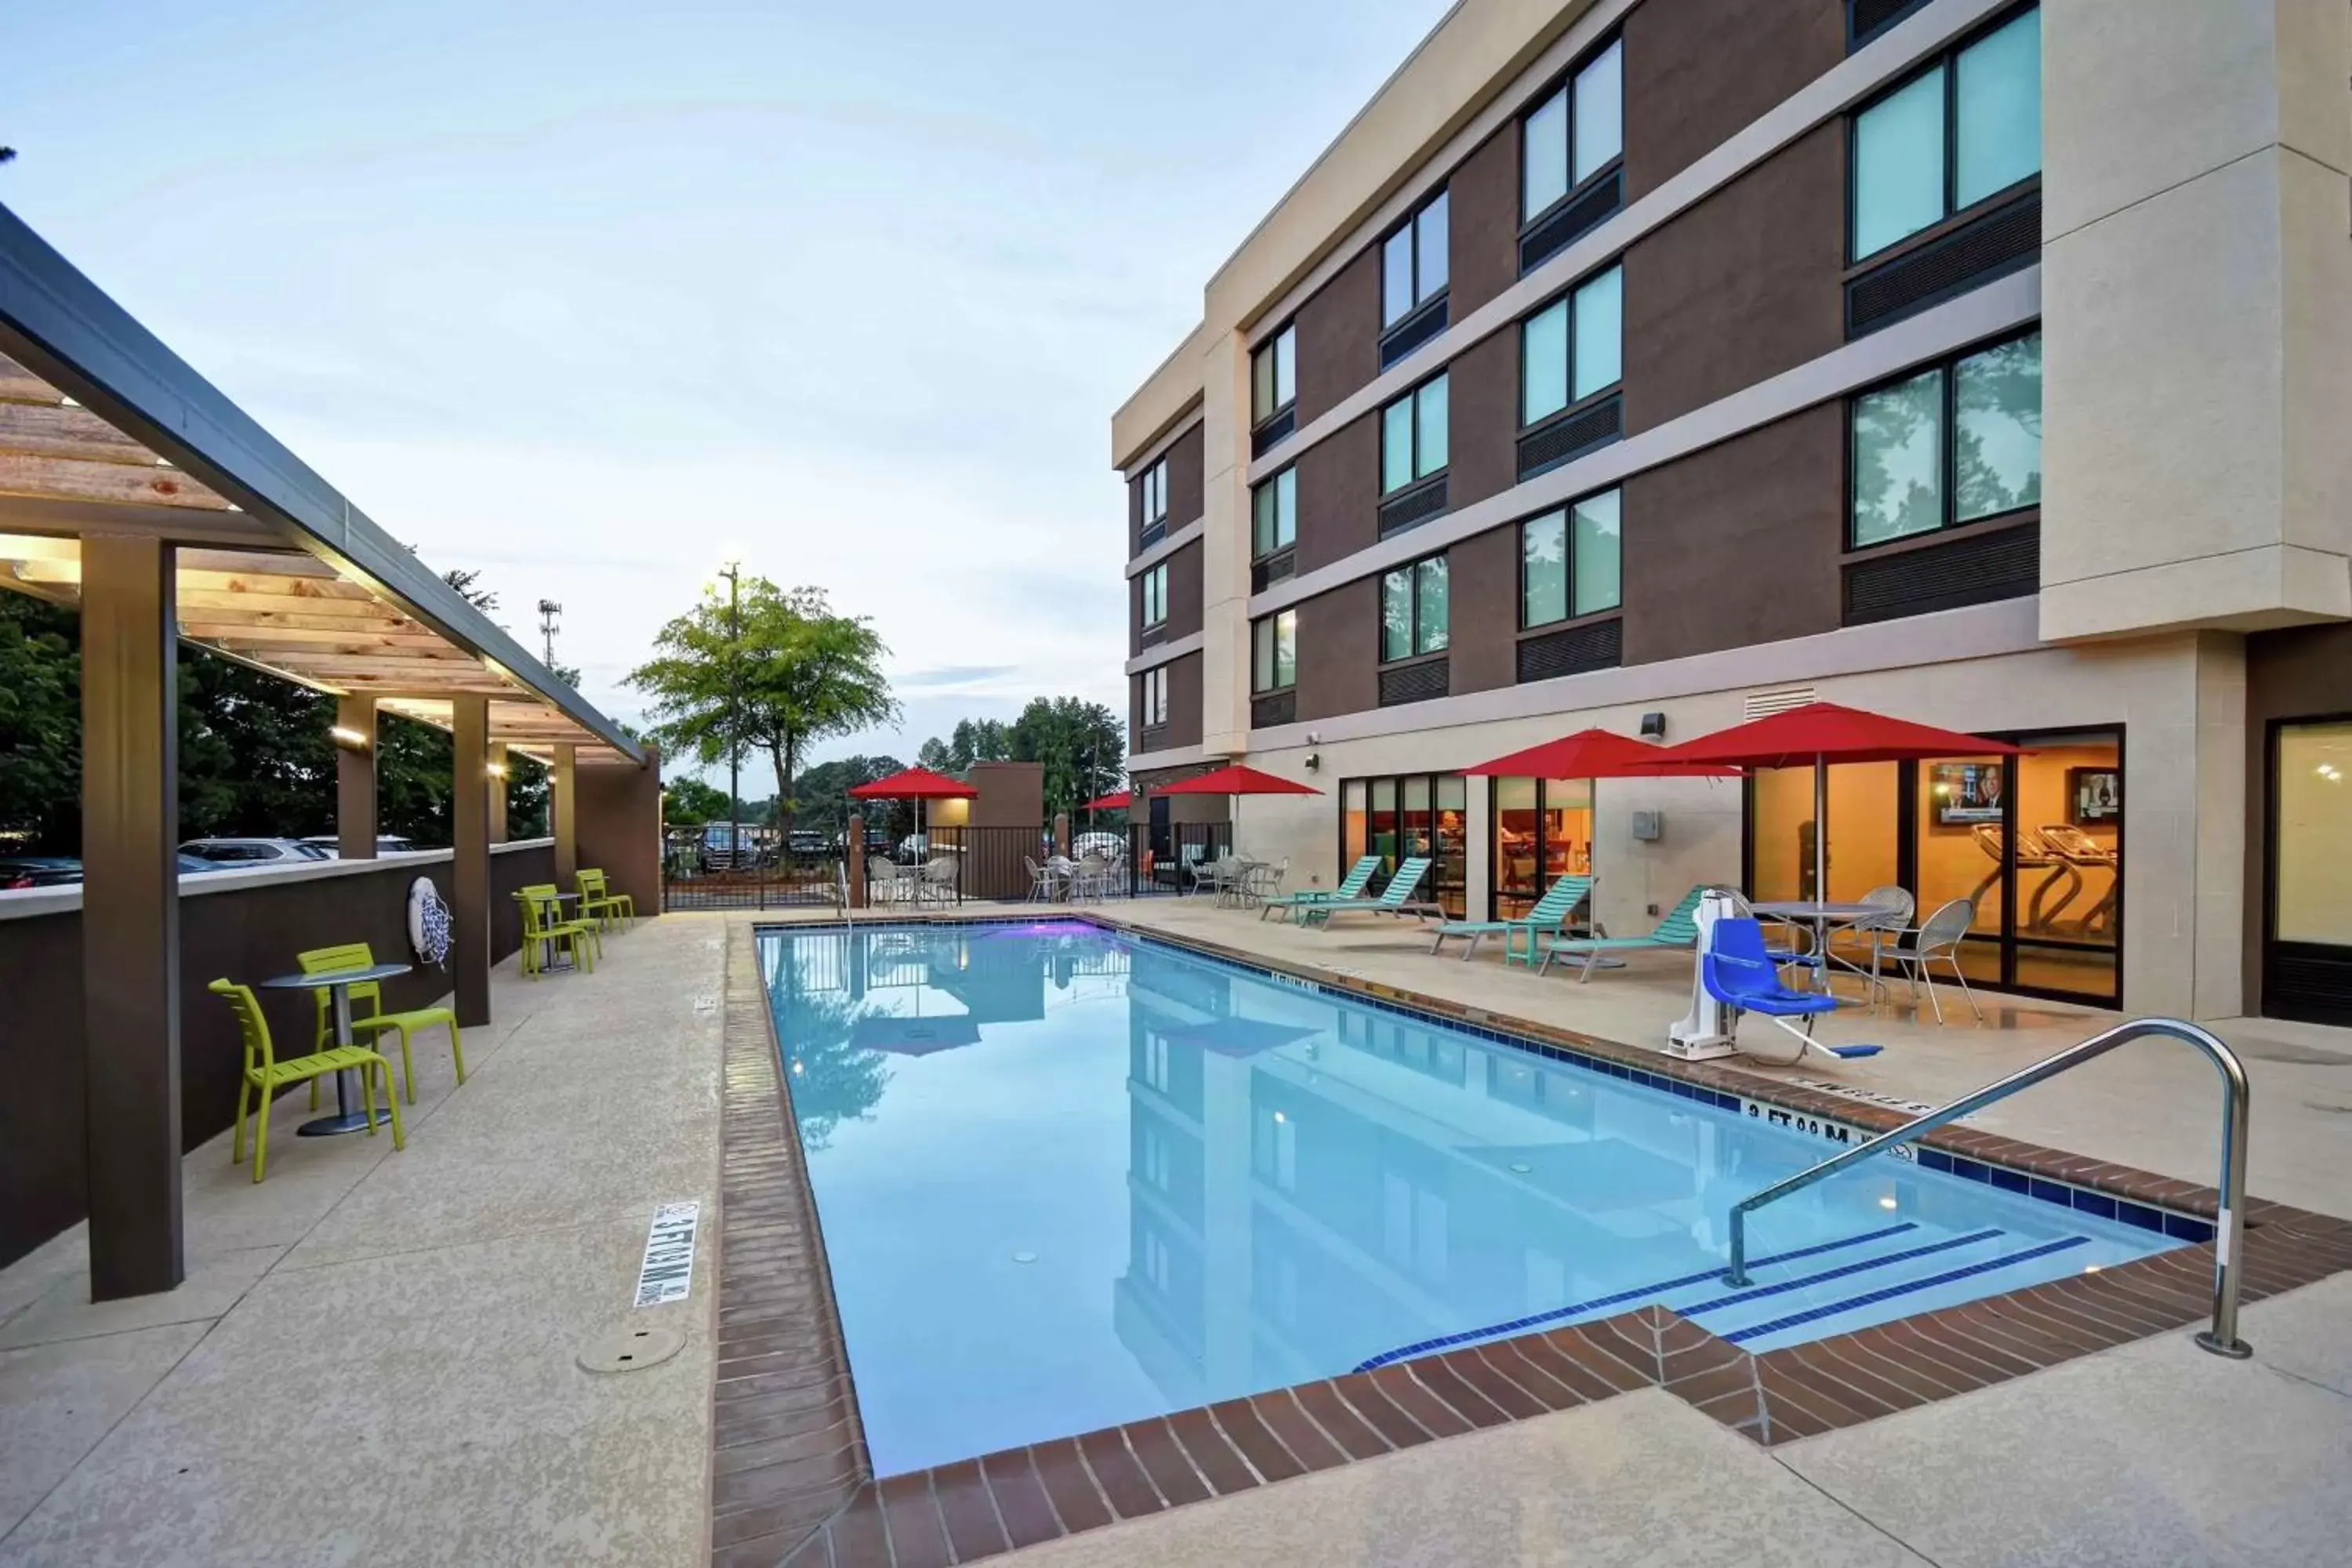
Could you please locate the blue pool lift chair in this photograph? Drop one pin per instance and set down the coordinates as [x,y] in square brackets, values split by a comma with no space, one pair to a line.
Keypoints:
[1742,973]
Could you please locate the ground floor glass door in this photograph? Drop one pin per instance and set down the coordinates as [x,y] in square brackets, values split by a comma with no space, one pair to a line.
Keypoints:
[1397,818]
[1543,831]
[2307,946]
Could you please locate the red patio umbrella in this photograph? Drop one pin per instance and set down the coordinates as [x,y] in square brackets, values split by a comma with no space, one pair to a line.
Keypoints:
[1593,755]
[1118,800]
[1236,779]
[1820,733]
[918,785]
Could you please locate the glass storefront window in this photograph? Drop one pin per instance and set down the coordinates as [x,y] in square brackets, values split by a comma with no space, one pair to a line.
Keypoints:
[1395,818]
[1543,831]
[2311,897]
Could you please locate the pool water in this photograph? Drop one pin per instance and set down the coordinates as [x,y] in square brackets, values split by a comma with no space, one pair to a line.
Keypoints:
[1069,1179]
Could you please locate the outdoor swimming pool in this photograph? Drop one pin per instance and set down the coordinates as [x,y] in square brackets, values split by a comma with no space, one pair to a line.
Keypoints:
[1069,1179]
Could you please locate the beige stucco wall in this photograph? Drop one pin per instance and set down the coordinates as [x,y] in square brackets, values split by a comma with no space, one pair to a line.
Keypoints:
[2197,297]
[2180,700]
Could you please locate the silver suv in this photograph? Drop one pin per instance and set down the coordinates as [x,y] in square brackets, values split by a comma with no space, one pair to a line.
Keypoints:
[253,851]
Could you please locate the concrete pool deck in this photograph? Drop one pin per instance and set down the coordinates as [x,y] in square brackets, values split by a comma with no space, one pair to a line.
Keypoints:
[403,1330]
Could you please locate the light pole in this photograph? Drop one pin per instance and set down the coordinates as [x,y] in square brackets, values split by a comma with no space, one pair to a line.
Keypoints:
[734,718]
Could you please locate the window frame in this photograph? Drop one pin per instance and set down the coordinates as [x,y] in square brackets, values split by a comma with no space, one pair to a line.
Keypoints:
[1563,87]
[1271,345]
[1416,653]
[1154,704]
[1151,576]
[1410,224]
[1270,485]
[1946,63]
[1566,298]
[1412,395]
[1566,510]
[1270,624]
[1947,462]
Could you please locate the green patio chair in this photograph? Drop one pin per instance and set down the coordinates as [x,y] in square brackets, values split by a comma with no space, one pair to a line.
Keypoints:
[544,930]
[1359,877]
[1677,932]
[264,1075]
[598,902]
[1396,899]
[358,955]
[1550,916]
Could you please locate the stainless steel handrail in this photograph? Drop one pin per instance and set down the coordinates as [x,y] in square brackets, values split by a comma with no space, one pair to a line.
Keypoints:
[2229,1224]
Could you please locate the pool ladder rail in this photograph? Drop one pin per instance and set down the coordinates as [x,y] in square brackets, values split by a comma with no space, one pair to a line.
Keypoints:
[2229,1225]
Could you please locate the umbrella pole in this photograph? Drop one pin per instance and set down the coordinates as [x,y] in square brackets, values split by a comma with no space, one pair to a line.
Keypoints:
[1820,830]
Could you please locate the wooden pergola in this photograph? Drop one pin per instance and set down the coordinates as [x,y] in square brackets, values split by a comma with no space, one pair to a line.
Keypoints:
[131,488]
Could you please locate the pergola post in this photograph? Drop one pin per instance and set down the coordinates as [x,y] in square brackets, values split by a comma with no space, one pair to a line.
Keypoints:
[853,859]
[355,797]
[500,785]
[564,814]
[131,915]
[469,877]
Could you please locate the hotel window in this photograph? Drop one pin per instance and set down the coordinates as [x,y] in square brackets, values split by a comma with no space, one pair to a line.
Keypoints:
[1415,612]
[1273,652]
[1413,263]
[1572,562]
[1155,595]
[1273,514]
[1574,134]
[1273,375]
[1412,436]
[1573,347]
[1963,130]
[1155,699]
[1155,493]
[1955,443]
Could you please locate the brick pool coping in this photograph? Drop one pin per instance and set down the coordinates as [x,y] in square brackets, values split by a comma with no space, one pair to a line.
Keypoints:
[791,1482]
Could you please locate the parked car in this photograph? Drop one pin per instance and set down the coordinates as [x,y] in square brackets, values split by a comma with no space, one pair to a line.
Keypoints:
[253,851]
[805,842]
[385,844]
[64,871]
[726,845]
[38,872]
[1108,846]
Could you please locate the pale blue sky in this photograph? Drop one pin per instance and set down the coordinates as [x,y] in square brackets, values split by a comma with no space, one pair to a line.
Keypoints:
[593,295]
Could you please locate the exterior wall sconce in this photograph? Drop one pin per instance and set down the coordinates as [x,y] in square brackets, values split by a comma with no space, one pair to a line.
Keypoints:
[1314,762]
[495,770]
[350,739]
[1653,726]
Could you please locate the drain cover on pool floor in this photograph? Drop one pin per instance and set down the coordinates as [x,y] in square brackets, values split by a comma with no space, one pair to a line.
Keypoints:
[626,1350]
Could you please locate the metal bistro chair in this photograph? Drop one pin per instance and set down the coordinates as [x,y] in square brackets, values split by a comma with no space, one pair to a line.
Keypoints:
[1937,940]
[264,1075]
[938,880]
[598,902]
[358,955]
[1041,881]
[544,931]
[1898,907]
[1263,881]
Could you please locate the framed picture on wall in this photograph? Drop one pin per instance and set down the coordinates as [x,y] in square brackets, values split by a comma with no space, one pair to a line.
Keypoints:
[2093,794]
[1965,793]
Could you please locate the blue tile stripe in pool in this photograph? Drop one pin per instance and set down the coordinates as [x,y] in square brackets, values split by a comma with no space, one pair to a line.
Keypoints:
[1814,1314]
[1638,1293]
[2184,1227]
[1783,1287]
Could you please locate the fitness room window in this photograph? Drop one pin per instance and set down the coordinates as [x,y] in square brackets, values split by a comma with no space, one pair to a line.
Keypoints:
[2035,842]
[1543,831]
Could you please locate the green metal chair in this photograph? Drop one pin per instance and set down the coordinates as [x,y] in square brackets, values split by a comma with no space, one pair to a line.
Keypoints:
[598,902]
[264,1075]
[358,955]
[544,930]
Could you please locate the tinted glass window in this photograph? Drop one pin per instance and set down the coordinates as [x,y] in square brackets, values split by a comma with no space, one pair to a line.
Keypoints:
[1997,86]
[1543,569]
[1898,472]
[1600,111]
[1598,553]
[1898,164]
[1997,435]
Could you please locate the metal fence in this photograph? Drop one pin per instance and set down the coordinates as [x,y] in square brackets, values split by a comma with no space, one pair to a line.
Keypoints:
[751,869]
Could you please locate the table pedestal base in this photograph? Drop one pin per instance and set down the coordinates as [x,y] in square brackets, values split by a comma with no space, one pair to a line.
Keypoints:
[337,1125]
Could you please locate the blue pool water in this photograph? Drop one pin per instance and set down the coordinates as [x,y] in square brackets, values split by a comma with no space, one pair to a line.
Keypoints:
[1067,1179]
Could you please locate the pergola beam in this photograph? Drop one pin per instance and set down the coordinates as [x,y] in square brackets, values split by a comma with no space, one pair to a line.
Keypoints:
[79,479]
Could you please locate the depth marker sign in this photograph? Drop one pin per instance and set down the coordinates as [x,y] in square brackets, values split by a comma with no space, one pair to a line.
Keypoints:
[667,1272]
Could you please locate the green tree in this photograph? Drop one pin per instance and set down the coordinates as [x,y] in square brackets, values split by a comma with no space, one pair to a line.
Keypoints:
[775,676]
[1081,745]
[40,724]
[689,803]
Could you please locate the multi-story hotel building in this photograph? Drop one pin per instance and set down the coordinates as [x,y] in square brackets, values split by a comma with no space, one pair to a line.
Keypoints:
[1654,363]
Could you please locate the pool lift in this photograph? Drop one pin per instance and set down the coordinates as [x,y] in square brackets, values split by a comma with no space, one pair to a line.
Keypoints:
[1734,972]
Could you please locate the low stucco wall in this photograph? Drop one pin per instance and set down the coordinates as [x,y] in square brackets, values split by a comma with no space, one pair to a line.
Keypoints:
[242,925]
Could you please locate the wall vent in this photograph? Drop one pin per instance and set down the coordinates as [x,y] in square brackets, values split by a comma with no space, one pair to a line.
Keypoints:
[1273,432]
[1414,682]
[1276,568]
[1551,232]
[1411,507]
[1571,435]
[1414,330]
[1975,568]
[1274,708]
[1764,704]
[2004,240]
[1599,645]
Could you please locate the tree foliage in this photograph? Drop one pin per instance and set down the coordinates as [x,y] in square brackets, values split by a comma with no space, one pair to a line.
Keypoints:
[774,677]
[824,804]
[689,803]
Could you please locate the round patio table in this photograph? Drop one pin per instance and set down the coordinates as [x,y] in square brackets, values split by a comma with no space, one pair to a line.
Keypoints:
[349,1116]
[1817,916]
[560,900]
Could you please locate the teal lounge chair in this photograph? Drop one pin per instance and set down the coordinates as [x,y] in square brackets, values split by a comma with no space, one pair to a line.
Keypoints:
[1359,877]
[1549,915]
[1678,930]
[1396,899]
